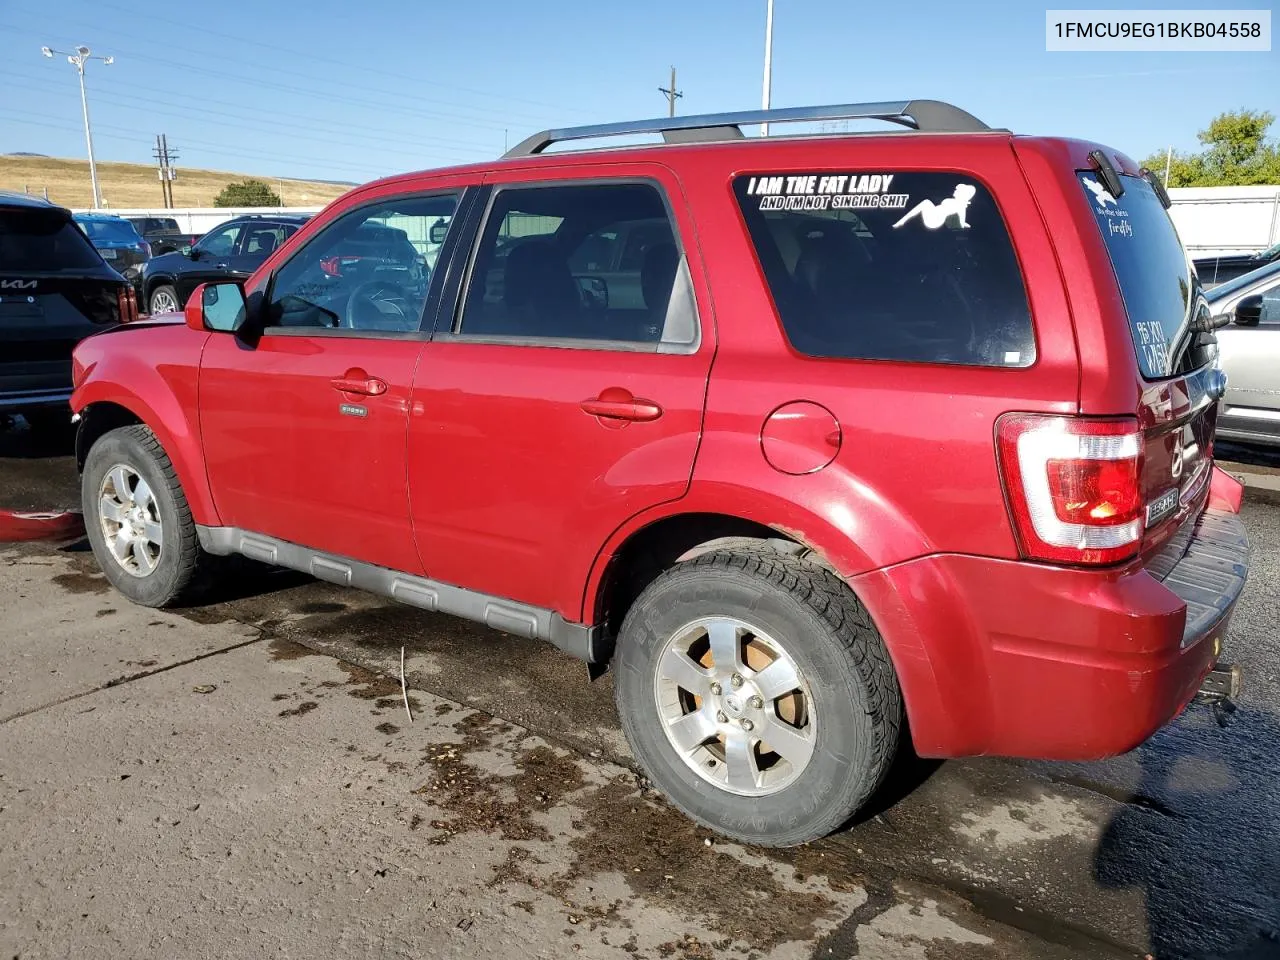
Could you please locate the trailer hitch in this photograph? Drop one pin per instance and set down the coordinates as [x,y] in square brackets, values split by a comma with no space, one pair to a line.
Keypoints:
[1219,689]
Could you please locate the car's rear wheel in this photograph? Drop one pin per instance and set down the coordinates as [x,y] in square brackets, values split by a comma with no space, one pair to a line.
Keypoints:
[164,299]
[138,521]
[757,694]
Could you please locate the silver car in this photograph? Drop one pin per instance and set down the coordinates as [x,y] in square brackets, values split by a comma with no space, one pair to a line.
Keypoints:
[1249,353]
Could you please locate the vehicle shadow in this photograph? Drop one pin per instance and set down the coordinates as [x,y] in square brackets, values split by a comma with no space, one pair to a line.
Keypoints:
[1201,839]
[18,441]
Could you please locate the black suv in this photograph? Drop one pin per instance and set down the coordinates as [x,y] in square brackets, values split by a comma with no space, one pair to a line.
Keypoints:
[55,290]
[230,251]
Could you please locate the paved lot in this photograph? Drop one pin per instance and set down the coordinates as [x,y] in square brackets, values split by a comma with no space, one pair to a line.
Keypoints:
[293,810]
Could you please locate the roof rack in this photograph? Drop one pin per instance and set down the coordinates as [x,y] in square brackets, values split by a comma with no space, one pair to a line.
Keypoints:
[932,116]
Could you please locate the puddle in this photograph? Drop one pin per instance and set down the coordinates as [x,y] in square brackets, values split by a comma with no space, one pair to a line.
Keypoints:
[655,852]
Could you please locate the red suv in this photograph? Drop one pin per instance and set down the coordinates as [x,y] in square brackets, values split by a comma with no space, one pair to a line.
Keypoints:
[815,439]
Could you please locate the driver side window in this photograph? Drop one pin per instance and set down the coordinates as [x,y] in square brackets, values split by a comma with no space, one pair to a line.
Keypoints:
[222,242]
[368,270]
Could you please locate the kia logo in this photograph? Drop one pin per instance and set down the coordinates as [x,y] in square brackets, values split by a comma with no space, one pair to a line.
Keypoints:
[17,284]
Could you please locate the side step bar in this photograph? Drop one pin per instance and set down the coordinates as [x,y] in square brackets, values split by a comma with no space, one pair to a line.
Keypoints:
[536,623]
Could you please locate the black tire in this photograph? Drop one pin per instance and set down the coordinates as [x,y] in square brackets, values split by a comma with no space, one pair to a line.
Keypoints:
[830,637]
[164,288]
[182,567]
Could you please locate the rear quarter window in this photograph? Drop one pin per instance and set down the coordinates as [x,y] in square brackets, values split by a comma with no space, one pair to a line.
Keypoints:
[884,265]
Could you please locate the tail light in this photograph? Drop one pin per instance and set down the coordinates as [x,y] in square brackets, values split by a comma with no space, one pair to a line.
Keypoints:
[1073,486]
[127,301]
[145,248]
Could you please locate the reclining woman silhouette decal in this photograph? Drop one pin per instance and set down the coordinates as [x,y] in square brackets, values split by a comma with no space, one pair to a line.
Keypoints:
[935,215]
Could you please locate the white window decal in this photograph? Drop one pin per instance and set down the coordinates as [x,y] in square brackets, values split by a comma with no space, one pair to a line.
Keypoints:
[935,215]
[1100,193]
[834,191]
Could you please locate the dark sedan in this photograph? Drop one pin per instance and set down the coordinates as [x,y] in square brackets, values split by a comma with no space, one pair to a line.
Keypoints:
[1215,270]
[55,290]
[230,251]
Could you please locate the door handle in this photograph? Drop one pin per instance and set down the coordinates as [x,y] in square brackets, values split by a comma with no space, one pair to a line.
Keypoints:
[357,381]
[617,403]
[221,266]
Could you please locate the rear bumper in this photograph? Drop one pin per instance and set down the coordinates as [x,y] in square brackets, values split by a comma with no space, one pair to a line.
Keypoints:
[1021,659]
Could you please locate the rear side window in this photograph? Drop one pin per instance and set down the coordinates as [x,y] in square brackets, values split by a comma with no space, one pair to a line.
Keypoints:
[889,266]
[43,241]
[1159,287]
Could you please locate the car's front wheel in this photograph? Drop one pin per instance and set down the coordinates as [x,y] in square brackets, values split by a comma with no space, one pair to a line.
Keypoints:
[164,299]
[138,521]
[758,695]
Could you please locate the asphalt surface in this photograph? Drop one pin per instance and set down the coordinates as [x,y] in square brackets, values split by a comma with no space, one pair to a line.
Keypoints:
[1171,850]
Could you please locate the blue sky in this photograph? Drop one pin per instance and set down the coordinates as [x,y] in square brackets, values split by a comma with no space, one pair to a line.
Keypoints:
[355,90]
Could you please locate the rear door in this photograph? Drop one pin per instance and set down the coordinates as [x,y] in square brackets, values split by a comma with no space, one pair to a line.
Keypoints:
[546,416]
[304,430]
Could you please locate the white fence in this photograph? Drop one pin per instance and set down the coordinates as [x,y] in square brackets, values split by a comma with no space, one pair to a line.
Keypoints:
[1209,219]
[204,219]
[1214,220]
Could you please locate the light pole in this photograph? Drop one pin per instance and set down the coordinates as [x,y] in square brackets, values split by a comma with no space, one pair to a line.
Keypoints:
[78,60]
[768,64]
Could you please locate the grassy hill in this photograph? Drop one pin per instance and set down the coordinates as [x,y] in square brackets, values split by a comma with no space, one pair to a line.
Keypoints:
[125,185]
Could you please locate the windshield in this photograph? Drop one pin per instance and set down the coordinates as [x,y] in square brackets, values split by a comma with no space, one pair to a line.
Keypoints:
[109,231]
[1160,289]
[42,241]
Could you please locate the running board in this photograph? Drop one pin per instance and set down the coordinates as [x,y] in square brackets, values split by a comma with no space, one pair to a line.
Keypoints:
[535,623]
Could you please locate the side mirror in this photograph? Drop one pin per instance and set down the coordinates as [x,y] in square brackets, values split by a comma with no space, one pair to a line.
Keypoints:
[193,252]
[438,231]
[219,307]
[1249,311]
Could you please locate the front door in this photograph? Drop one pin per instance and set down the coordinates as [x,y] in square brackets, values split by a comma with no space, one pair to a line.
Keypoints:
[210,259]
[304,431]
[547,410]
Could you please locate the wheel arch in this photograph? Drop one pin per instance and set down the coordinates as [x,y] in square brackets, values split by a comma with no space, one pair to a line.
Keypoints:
[100,412]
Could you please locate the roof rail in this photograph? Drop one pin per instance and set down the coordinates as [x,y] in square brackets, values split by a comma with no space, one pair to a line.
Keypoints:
[933,116]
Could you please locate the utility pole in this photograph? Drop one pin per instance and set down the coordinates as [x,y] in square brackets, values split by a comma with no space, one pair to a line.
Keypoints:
[1168,162]
[78,60]
[672,93]
[164,159]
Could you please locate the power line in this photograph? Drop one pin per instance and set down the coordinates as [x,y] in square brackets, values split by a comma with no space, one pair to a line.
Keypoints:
[311,55]
[672,93]
[318,134]
[133,136]
[492,121]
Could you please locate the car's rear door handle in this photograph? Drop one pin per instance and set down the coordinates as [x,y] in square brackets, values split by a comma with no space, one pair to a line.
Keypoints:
[618,403]
[357,381]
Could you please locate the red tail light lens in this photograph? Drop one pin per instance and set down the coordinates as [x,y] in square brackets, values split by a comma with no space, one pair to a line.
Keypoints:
[127,301]
[1073,486]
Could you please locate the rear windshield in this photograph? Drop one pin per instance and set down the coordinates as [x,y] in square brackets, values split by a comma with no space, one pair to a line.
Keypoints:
[43,241]
[1157,282]
[154,224]
[112,231]
[889,266]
